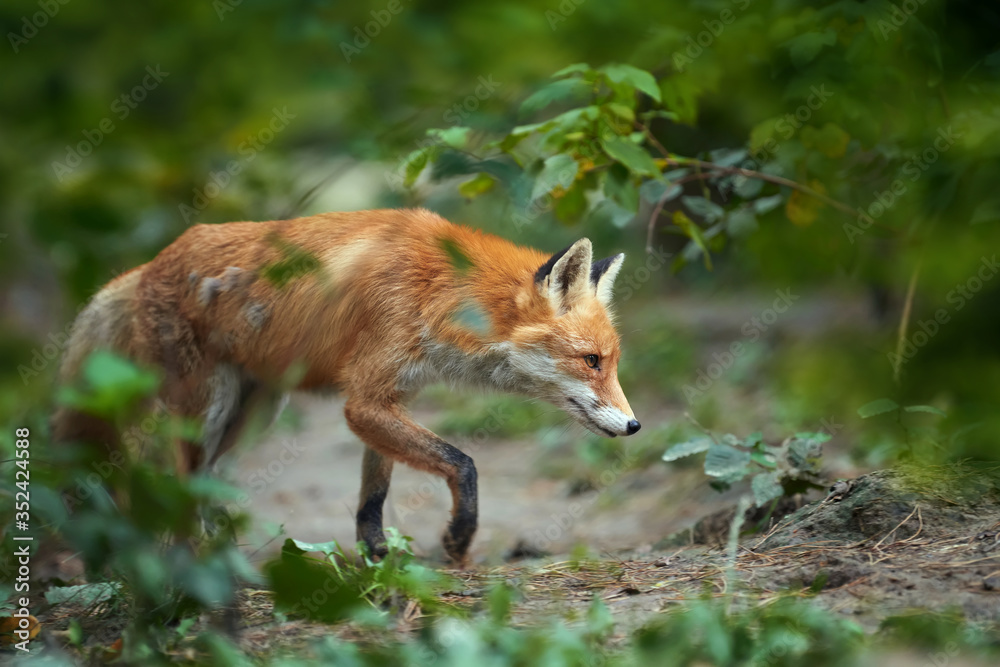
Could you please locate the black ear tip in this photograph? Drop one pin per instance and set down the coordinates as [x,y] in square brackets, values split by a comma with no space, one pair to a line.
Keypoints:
[545,269]
[601,266]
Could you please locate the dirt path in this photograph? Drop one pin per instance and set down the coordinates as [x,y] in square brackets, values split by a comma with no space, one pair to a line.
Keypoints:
[308,482]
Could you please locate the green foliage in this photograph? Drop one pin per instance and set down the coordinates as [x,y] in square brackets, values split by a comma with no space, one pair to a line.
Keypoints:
[164,544]
[792,467]
[789,631]
[112,386]
[85,594]
[946,631]
[332,588]
[296,262]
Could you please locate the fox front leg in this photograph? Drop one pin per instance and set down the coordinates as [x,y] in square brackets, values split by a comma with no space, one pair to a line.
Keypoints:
[391,434]
[376,473]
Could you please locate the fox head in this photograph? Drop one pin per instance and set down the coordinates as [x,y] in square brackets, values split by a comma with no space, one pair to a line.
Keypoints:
[568,349]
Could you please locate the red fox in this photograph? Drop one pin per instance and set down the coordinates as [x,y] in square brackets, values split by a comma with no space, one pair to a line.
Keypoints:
[392,300]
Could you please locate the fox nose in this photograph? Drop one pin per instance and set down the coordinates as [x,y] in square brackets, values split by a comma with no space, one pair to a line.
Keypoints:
[632,427]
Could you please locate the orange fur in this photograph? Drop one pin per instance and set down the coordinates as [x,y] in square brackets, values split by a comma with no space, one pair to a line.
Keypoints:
[399,298]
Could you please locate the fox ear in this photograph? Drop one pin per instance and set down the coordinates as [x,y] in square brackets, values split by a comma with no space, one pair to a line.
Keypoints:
[602,276]
[565,277]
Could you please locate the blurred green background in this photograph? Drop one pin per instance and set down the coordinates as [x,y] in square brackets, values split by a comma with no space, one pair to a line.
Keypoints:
[124,123]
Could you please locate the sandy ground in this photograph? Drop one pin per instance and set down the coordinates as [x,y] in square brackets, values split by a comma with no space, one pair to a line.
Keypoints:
[308,482]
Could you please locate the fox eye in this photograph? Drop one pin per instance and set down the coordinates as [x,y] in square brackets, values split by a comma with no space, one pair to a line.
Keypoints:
[591,360]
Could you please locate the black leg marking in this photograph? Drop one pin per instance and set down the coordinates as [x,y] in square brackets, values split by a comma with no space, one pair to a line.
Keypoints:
[369,522]
[465,514]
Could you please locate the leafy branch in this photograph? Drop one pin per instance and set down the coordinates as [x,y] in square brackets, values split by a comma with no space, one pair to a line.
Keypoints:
[592,159]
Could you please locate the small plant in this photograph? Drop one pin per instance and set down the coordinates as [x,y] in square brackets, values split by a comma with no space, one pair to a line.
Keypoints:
[789,631]
[913,433]
[777,470]
[332,588]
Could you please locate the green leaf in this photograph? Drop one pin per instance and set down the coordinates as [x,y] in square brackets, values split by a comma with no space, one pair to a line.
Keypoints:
[693,232]
[765,204]
[817,436]
[325,548]
[634,157]
[600,621]
[930,409]
[741,223]
[557,91]
[766,487]
[680,95]
[703,207]
[106,370]
[575,68]
[207,581]
[295,580]
[456,256]
[804,48]
[726,461]
[500,600]
[112,384]
[801,450]
[747,187]
[414,165]
[619,186]
[830,140]
[622,112]
[75,632]
[573,203]
[86,595]
[611,210]
[728,157]
[453,137]
[635,77]
[763,459]
[558,170]
[296,262]
[878,407]
[682,449]
[481,184]
[655,189]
